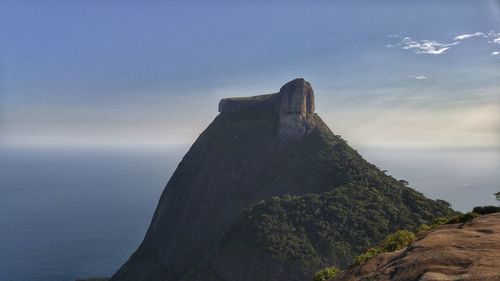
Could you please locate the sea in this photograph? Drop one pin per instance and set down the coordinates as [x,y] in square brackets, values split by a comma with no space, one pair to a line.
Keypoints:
[68,213]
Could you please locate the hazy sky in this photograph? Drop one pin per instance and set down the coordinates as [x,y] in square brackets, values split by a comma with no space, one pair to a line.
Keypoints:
[384,72]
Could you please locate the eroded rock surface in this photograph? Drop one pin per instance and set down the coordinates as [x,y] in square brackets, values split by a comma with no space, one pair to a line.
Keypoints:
[468,252]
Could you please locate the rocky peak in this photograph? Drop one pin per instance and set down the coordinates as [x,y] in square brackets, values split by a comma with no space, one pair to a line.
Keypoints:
[294,104]
[297,97]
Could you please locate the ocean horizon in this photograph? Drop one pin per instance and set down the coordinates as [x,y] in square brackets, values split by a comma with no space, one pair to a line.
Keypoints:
[69,213]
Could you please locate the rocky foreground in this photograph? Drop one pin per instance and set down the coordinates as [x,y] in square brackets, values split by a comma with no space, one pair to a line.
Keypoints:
[469,251]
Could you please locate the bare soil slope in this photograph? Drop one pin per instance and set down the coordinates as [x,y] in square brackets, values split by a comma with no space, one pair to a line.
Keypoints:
[469,251]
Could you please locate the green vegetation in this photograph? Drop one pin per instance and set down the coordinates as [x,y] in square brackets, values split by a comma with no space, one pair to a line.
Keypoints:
[325,274]
[352,206]
[333,227]
[463,218]
[486,210]
[396,241]
[434,223]
[366,256]
[403,238]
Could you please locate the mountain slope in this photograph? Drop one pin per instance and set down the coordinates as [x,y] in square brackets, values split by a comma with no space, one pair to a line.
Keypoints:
[257,148]
[469,251]
[290,237]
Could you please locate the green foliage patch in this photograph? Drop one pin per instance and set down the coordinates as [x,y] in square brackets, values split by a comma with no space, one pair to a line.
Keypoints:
[333,227]
[325,274]
[484,210]
[463,218]
[397,241]
[393,242]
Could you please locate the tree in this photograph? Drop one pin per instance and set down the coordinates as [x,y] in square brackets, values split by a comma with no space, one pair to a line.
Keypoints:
[497,195]
[403,182]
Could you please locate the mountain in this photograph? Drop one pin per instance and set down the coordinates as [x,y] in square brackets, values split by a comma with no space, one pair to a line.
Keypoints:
[267,191]
[462,251]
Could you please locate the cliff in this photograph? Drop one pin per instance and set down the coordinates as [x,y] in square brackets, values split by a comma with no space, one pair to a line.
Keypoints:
[266,192]
[467,252]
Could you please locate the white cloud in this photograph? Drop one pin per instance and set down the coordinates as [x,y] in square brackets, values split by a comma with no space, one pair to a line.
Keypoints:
[466,36]
[494,36]
[426,46]
[495,53]
[432,47]
[418,77]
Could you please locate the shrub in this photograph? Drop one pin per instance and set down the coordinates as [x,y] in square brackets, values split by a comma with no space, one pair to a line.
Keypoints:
[366,256]
[325,274]
[443,202]
[399,240]
[434,223]
[463,218]
[438,221]
[396,241]
[486,210]
[423,228]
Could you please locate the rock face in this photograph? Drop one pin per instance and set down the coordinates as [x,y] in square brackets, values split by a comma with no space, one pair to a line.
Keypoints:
[255,149]
[296,108]
[297,97]
[294,104]
[467,252]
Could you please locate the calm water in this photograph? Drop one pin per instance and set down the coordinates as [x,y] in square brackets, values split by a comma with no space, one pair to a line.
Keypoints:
[66,214]
[69,214]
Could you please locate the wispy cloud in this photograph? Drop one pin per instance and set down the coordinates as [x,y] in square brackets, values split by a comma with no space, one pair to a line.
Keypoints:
[395,35]
[495,37]
[426,46]
[418,77]
[432,47]
[471,35]
[495,53]
[492,36]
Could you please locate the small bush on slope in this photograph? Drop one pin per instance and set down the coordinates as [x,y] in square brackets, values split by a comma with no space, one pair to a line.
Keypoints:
[396,241]
[486,210]
[463,218]
[325,274]
[399,240]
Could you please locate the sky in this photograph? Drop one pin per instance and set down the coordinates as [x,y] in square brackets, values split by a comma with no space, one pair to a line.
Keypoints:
[385,73]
